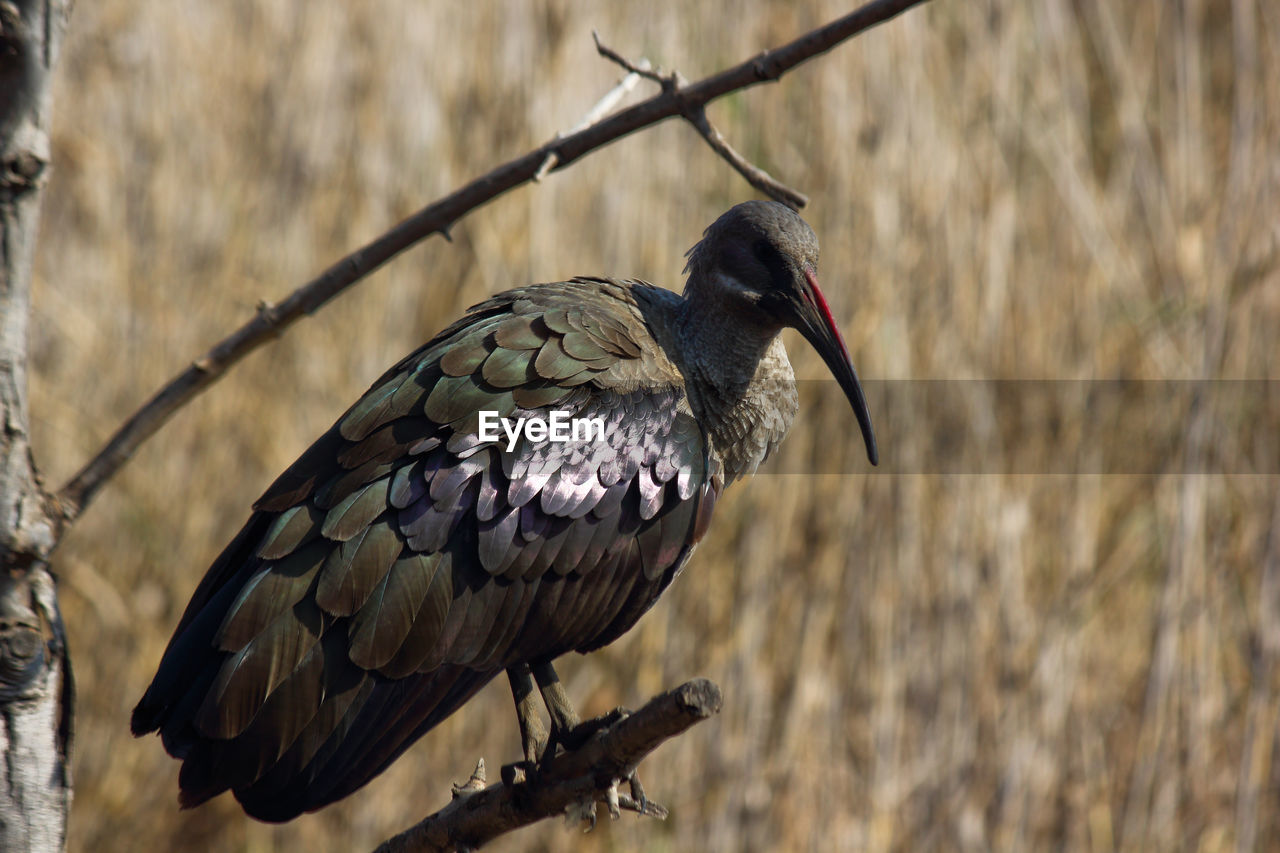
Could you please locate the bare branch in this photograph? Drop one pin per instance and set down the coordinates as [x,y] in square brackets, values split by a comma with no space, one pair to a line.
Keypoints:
[697,116]
[270,321]
[585,776]
[641,68]
[757,177]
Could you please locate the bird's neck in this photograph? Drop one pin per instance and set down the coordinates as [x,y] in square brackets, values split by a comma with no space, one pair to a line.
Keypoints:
[739,380]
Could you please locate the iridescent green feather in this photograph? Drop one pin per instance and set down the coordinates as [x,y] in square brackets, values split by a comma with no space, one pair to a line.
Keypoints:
[292,528]
[355,568]
[381,625]
[462,357]
[371,412]
[507,368]
[276,589]
[553,363]
[246,678]
[356,511]
[521,333]
[454,398]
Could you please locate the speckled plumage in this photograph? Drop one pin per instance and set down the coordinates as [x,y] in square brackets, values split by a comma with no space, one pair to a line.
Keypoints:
[404,560]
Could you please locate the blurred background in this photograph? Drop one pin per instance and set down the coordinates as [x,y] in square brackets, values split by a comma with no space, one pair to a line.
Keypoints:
[1011,657]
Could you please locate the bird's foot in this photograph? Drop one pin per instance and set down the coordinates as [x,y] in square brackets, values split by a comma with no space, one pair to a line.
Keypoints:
[638,802]
[574,738]
[617,802]
[560,740]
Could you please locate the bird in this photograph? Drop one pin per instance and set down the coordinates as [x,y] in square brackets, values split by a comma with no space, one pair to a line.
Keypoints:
[409,556]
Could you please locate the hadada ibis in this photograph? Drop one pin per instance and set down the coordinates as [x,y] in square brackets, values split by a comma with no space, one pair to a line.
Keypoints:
[409,556]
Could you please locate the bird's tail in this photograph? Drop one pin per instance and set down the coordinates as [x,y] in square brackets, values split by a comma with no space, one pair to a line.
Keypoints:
[316,738]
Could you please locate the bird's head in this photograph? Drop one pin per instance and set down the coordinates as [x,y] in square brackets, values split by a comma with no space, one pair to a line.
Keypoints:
[761,258]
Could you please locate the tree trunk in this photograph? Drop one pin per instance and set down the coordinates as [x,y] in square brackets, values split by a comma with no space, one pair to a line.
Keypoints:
[35,676]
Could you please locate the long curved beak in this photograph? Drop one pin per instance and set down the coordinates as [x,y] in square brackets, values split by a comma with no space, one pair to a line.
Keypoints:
[819,329]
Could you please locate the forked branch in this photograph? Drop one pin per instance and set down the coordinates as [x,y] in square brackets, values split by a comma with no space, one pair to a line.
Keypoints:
[697,116]
[581,778]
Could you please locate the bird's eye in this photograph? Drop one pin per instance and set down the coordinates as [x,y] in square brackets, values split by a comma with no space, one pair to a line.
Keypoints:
[764,251]
[768,256]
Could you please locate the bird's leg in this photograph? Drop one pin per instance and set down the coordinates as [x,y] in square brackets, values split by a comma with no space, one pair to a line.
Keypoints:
[564,719]
[533,734]
[571,732]
[567,728]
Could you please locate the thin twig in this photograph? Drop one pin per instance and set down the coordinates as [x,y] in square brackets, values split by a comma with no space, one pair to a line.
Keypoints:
[641,68]
[582,777]
[757,177]
[438,217]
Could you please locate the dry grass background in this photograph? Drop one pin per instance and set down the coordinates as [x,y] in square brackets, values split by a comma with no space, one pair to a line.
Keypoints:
[1065,189]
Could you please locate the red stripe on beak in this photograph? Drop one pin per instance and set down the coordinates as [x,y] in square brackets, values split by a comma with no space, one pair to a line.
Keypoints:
[824,311]
[819,328]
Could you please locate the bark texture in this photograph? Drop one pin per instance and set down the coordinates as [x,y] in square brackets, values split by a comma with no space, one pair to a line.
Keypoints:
[35,677]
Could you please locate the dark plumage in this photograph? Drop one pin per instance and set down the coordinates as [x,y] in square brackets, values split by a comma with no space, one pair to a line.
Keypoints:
[403,561]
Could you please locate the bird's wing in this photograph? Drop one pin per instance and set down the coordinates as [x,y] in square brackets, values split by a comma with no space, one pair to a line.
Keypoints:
[405,558]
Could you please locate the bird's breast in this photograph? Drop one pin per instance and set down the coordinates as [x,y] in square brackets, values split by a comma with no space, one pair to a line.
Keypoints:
[746,420]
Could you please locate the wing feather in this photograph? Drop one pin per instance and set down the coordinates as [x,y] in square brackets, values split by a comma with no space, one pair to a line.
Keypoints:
[380,627]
